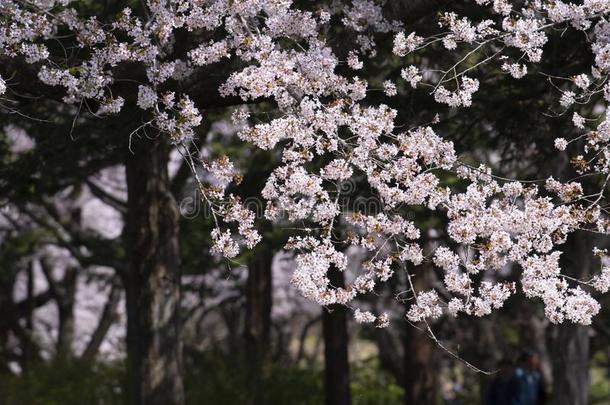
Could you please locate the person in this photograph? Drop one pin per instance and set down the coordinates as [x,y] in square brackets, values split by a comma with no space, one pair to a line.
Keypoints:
[498,392]
[526,386]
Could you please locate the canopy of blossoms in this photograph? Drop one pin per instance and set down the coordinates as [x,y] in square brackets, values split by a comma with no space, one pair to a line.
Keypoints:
[325,113]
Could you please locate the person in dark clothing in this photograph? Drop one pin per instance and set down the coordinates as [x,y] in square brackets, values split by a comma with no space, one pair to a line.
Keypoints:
[526,386]
[498,392]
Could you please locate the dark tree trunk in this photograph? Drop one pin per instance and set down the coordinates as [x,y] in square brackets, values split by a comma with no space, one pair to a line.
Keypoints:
[64,294]
[571,346]
[65,304]
[421,375]
[152,283]
[390,347]
[29,319]
[105,322]
[571,365]
[539,336]
[336,363]
[10,314]
[6,313]
[420,352]
[258,319]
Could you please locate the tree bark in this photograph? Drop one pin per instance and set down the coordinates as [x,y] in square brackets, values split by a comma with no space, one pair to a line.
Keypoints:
[258,319]
[106,319]
[65,304]
[64,294]
[571,365]
[421,382]
[538,328]
[336,363]
[29,319]
[152,283]
[420,355]
[390,345]
[571,346]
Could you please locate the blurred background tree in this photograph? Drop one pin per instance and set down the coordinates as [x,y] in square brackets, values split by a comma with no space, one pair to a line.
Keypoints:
[94,222]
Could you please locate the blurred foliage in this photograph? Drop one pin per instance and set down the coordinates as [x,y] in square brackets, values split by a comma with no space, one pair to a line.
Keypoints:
[211,378]
[282,383]
[65,383]
[599,374]
[373,386]
[600,386]
[215,378]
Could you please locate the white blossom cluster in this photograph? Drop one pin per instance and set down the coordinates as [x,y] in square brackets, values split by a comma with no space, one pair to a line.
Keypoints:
[287,57]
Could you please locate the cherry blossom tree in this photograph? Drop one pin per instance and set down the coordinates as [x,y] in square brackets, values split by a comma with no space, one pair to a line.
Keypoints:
[331,126]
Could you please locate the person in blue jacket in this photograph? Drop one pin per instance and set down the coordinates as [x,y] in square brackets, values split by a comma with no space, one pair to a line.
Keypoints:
[526,386]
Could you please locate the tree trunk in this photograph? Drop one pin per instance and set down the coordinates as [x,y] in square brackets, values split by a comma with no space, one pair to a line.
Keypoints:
[105,322]
[10,315]
[420,353]
[152,283]
[390,347]
[571,346]
[258,319]
[421,382]
[336,363]
[539,336]
[571,365]
[64,294]
[29,319]
[65,303]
